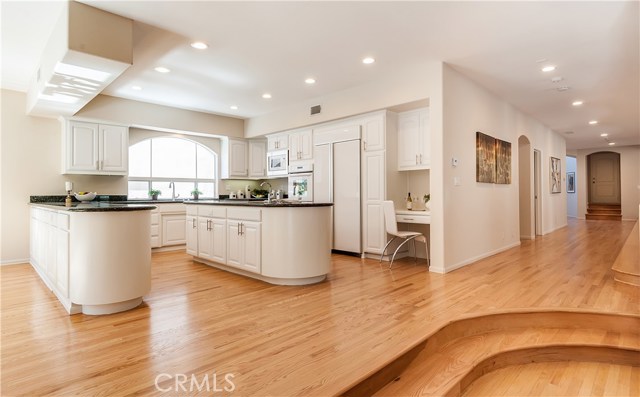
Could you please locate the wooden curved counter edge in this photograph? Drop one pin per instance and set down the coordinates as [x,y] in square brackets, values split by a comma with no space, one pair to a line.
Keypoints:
[474,327]
[626,268]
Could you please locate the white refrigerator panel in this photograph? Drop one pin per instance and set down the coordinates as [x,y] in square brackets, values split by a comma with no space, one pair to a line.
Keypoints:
[322,178]
[346,196]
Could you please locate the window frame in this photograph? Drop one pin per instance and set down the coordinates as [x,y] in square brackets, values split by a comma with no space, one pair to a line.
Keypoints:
[150,180]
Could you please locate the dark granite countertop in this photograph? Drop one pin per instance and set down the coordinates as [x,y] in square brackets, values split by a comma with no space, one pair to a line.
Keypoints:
[258,203]
[94,206]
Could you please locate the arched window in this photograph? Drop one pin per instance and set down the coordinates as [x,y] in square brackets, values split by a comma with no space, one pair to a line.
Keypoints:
[155,163]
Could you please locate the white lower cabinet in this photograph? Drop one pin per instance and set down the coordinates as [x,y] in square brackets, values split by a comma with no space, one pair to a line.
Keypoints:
[191,234]
[243,245]
[173,230]
[50,248]
[227,235]
[212,241]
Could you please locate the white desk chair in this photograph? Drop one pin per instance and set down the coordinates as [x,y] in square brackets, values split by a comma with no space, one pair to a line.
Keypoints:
[391,226]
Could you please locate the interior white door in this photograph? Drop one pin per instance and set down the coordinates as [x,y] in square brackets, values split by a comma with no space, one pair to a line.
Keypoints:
[322,174]
[346,203]
[604,171]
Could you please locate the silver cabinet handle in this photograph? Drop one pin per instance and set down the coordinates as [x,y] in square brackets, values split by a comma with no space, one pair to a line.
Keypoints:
[365,146]
[420,158]
[97,165]
[416,159]
[193,223]
[238,228]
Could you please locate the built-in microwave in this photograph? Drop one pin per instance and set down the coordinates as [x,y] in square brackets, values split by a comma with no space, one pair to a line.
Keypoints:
[278,162]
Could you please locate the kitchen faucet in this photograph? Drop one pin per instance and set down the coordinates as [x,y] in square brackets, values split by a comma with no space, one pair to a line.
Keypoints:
[173,193]
[270,190]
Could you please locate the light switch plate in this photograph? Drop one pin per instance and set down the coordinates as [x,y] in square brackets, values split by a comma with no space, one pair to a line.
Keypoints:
[456,181]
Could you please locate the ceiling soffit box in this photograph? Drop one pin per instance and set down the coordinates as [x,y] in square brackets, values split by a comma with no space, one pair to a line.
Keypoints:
[88,49]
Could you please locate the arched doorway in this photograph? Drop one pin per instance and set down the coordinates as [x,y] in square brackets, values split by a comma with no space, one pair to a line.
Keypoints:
[526,209]
[603,191]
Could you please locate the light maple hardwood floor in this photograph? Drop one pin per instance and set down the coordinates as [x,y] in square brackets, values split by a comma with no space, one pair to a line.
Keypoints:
[280,341]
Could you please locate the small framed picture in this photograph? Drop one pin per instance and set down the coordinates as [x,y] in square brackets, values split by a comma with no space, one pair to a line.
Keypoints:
[554,175]
[571,182]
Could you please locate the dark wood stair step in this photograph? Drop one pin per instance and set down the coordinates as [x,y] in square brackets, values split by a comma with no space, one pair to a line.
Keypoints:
[605,217]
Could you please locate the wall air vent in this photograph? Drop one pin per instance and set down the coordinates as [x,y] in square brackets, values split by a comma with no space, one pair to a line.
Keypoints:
[315,109]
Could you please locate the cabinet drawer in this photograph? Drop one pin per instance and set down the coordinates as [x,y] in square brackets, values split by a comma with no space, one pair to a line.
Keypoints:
[63,221]
[212,211]
[155,218]
[155,230]
[171,208]
[192,209]
[423,219]
[246,214]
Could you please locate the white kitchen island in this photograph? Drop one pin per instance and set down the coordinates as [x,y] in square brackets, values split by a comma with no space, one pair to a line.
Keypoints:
[95,257]
[284,243]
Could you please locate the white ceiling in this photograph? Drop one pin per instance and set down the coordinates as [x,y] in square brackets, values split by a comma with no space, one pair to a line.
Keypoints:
[257,47]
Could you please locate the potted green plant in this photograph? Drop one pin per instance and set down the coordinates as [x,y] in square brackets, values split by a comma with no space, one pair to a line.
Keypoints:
[426,199]
[196,193]
[153,193]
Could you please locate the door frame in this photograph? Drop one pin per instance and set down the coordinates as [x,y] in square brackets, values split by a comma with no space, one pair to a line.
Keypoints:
[589,177]
[537,194]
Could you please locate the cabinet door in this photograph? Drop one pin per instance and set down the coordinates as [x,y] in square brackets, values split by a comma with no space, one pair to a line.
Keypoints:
[205,242]
[51,252]
[425,135]
[234,244]
[191,233]
[373,134]
[374,176]
[173,230]
[301,145]
[408,140]
[62,262]
[114,148]
[305,146]
[374,232]
[219,240]
[82,147]
[238,158]
[257,159]
[374,188]
[251,234]
[277,142]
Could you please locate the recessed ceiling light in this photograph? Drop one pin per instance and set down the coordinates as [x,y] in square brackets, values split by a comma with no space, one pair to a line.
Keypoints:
[233,107]
[136,88]
[577,103]
[604,134]
[368,60]
[199,45]
[310,80]
[162,69]
[611,143]
[593,122]
[549,68]
[266,95]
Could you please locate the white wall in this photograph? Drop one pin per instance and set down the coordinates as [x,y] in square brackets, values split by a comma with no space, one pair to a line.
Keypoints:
[482,219]
[402,86]
[572,198]
[158,117]
[629,179]
[31,165]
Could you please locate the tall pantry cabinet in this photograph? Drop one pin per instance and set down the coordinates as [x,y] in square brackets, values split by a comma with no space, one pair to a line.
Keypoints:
[380,181]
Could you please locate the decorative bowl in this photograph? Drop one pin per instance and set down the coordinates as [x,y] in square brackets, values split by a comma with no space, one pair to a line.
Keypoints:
[85,197]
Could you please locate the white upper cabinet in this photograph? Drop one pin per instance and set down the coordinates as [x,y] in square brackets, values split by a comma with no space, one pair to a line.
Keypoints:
[91,148]
[277,142]
[373,134]
[257,159]
[301,145]
[414,143]
[234,158]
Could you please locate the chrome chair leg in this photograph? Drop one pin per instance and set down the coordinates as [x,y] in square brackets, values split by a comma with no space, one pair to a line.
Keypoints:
[385,247]
[415,253]
[398,249]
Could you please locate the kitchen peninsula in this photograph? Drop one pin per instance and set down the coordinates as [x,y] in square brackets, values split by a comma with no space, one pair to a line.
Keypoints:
[285,243]
[95,257]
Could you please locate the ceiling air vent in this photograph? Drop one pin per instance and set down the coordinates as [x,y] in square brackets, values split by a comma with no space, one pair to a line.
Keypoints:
[315,109]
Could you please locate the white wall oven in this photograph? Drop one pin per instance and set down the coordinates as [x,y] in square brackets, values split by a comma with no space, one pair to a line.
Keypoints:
[277,162]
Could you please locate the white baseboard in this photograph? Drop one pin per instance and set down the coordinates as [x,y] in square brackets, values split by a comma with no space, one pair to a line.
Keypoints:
[554,229]
[169,248]
[469,261]
[14,262]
